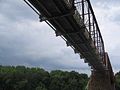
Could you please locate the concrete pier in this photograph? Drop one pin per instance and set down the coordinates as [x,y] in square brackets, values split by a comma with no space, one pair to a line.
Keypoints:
[100,81]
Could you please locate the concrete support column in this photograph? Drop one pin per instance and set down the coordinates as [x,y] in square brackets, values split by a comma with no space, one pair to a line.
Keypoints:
[99,81]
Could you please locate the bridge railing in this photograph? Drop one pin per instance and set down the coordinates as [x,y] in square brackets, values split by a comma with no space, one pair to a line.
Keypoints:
[85,9]
[88,20]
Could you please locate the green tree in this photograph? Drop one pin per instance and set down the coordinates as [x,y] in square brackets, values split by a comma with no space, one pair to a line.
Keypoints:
[22,78]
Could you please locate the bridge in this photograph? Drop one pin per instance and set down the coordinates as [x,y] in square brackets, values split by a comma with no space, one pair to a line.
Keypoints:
[75,22]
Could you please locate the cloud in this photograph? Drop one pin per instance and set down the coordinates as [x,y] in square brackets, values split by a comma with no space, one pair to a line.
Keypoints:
[108,2]
[26,41]
[107,13]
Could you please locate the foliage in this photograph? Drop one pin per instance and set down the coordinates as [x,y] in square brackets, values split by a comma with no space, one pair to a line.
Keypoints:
[117,81]
[24,78]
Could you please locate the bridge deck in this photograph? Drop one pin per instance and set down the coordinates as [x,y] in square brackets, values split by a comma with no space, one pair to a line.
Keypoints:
[69,24]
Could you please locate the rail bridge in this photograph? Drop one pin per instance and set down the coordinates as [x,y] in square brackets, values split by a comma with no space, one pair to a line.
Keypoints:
[75,22]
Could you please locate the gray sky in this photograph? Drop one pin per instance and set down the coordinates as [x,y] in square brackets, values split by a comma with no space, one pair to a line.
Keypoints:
[26,41]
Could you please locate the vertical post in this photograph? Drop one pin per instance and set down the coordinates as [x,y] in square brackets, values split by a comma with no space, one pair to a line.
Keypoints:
[97,39]
[89,19]
[94,31]
[83,11]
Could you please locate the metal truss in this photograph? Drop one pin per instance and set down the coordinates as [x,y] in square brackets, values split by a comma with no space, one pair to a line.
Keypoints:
[85,9]
[89,22]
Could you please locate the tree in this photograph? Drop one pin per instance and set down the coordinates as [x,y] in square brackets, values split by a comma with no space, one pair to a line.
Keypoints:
[22,78]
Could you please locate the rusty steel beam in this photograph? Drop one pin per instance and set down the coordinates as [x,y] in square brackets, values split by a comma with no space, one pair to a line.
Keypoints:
[87,39]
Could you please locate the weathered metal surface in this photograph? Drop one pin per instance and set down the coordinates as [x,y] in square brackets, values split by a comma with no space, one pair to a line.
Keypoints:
[77,25]
[69,23]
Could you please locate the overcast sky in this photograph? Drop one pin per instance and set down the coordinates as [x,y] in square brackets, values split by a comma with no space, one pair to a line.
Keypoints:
[26,41]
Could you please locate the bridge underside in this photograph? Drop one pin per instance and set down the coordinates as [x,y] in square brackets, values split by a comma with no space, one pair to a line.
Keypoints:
[69,24]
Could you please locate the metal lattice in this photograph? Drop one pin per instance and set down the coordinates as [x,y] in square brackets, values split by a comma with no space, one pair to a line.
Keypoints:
[89,22]
[85,9]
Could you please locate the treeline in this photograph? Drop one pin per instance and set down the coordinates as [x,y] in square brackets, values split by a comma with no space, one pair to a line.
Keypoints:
[117,81]
[24,78]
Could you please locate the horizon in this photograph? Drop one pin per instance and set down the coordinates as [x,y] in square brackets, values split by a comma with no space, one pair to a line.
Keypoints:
[26,41]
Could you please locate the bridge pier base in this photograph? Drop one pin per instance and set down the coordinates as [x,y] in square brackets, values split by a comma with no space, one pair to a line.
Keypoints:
[99,81]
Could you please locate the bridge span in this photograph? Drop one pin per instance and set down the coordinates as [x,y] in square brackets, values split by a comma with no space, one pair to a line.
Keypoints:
[75,22]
